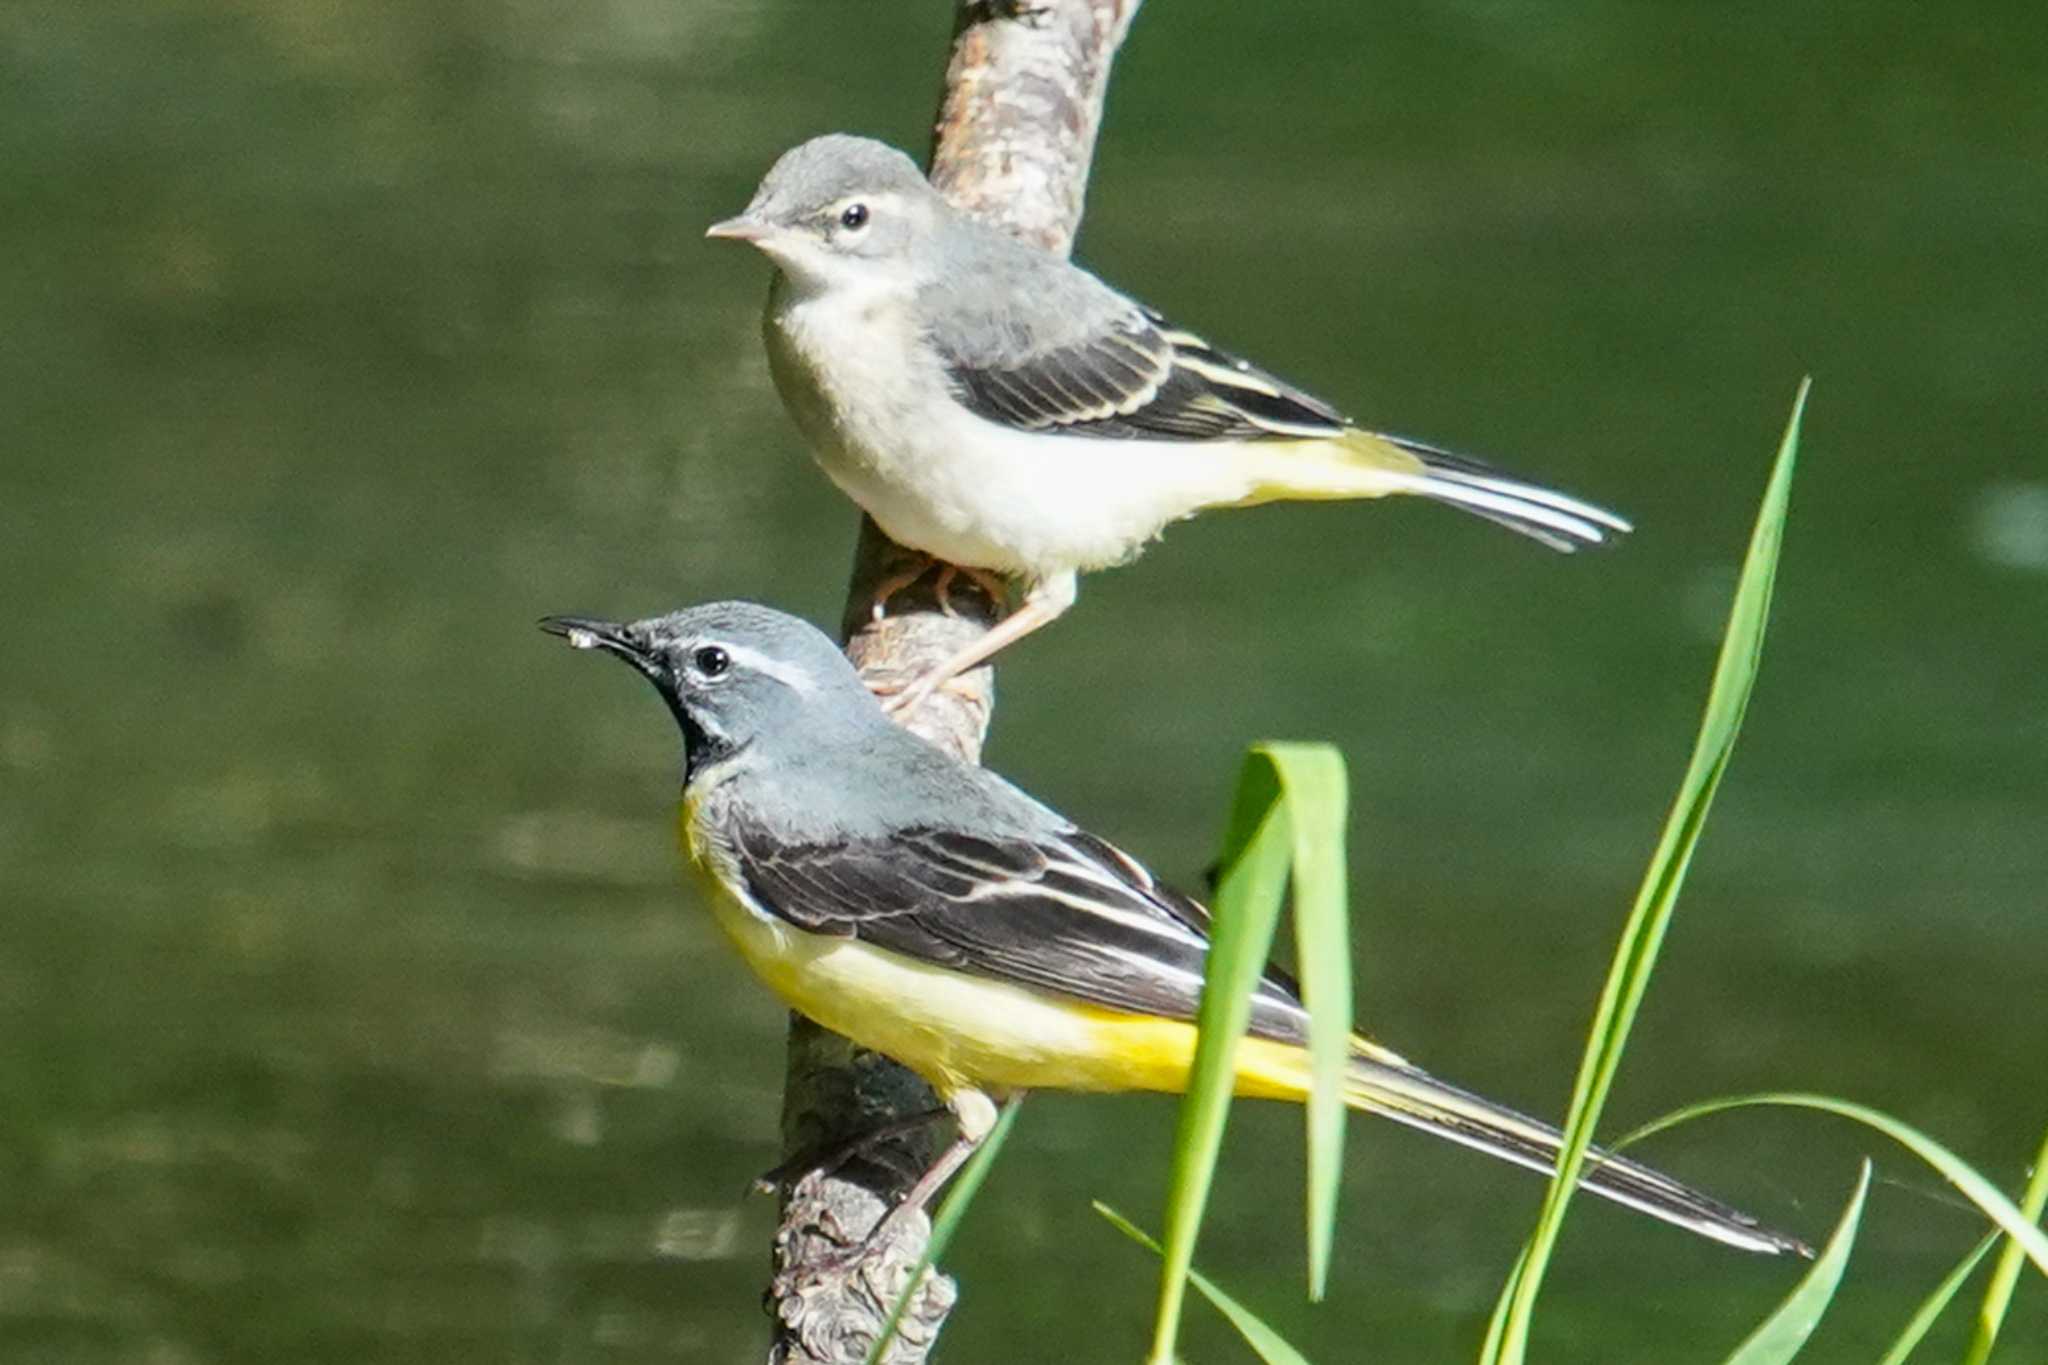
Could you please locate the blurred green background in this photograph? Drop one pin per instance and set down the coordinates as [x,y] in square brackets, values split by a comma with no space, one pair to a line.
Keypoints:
[351,1008]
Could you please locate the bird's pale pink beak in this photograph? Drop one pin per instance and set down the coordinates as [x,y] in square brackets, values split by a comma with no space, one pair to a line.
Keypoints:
[741,229]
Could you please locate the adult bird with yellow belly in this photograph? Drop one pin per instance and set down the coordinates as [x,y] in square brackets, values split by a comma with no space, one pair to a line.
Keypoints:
[1000,408]
[927,909]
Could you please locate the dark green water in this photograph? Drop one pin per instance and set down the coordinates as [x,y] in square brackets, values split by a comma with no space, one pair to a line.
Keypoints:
[350,1009]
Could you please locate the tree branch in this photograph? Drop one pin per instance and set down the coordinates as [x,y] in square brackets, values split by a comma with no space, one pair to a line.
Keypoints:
[1015,135]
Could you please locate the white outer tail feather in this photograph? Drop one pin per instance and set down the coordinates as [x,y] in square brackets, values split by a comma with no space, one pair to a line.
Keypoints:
[1420,1101]
[1562,522]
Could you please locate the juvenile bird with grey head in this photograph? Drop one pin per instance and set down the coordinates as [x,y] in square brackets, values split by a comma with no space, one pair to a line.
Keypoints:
[1002,409]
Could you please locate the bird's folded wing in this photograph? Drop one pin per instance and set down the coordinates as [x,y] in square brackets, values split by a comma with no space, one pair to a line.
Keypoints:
[1132,376]
[1068,914]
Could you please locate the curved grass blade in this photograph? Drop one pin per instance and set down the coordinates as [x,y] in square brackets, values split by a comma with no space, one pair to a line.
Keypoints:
[1270,1345]
[1931,1307]
[1952,1168]
[1259,851]
[1318,802]
[1643,936]
[2005,1275]
[947,1222]
[1249,888]
[1782,1335]
[1497,1325]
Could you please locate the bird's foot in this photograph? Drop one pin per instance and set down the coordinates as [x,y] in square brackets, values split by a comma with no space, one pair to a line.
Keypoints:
[901,696]
[990,584]
[821,1250]
[918,566]
[827,1157]
[901,1220]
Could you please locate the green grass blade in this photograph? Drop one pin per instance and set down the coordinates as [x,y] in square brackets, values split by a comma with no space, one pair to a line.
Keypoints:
[1287,823]
[1270,1345]
[1249,889]
[1952,1168]
[1931,1307]
[2005,1275]
[1317,793]
[1642,937]
[951,1212]
[1497,1325]
[1782,1335]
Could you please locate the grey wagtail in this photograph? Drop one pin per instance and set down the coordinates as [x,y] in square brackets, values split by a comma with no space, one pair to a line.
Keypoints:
[927,909]
[1004,410]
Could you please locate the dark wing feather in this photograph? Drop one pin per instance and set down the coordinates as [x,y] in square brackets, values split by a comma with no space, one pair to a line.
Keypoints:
[1068,914]
[1135,377]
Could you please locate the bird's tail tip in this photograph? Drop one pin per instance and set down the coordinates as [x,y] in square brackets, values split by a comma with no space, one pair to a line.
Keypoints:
[1417,1099]
[1558,520]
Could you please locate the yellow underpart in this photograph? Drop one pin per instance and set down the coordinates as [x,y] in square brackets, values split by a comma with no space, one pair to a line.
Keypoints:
[964,1032]
[1358,464]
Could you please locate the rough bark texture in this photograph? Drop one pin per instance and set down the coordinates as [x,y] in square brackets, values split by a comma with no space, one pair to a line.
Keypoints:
[1015,134]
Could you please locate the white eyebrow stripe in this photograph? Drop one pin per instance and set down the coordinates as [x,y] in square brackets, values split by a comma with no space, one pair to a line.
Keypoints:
[793,678]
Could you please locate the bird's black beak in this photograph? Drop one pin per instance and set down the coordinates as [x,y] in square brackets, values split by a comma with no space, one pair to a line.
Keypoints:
[622,641]
[636,646]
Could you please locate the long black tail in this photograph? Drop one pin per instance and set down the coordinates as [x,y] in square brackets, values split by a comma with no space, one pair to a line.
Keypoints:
[1398,1091]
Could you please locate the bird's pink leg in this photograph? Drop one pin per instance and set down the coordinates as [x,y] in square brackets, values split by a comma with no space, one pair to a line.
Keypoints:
[1045,601]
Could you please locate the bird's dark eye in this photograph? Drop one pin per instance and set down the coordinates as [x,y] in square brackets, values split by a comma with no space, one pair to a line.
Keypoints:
[853,217]
[711,661]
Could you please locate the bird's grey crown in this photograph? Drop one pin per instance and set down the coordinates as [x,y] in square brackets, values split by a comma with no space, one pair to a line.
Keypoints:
[813,176]
[785,639]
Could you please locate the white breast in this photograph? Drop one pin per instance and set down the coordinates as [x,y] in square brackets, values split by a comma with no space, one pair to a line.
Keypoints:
[940,479]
